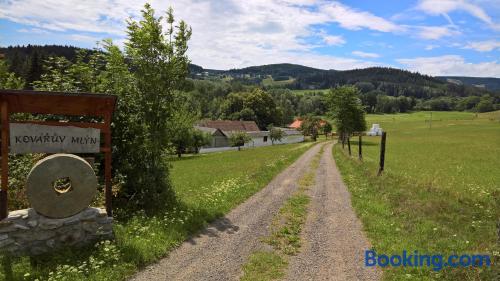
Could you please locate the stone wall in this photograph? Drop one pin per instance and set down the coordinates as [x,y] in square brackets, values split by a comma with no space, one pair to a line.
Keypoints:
[25,232]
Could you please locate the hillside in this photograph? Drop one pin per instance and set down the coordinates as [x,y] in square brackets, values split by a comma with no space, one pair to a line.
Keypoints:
[27,61]
[489,83]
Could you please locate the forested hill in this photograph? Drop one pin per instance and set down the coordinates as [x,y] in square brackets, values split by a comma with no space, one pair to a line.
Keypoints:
[27,61]
[489,83]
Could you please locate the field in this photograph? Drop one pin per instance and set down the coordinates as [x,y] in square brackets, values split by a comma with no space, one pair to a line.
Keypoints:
[302,92]
[207,186]
[439,194]
[269,81]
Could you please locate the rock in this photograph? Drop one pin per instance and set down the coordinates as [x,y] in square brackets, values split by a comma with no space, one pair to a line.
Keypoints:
[6,242]
[32,223]
[20,226]
[51,243]
[3,236]
[50,224]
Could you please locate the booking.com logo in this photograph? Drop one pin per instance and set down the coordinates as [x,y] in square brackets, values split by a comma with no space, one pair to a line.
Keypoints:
[415,259]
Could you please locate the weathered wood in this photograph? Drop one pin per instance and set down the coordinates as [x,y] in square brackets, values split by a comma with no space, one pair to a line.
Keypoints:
[382,153]
[58,103]
[4,210]
[100,126]
[107,166]
[349,144]
[360,147]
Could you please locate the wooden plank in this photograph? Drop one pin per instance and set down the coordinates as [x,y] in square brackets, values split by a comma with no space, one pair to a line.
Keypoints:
[100,126]
[382,154]
[4,210]
[107,167]
[58,103]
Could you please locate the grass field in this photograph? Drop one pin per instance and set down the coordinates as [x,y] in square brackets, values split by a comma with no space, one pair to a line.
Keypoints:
[208,186]
[269,81]
[439,194]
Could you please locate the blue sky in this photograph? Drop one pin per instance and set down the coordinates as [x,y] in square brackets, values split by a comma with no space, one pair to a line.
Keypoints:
[436,37]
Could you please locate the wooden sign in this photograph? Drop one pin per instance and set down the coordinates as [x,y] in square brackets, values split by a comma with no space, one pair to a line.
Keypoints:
[35,138]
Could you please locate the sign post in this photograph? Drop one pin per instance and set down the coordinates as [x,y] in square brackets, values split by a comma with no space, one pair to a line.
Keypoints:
[55,136]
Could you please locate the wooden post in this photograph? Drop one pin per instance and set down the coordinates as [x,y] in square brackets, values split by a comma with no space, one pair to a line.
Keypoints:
[382,153]
[107,165]
[342,138]
[4,209]
[360,147]
[349,144]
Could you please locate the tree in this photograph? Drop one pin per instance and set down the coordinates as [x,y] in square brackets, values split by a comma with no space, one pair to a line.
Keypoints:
[327,128]
[263,106]
[310,126]
[275,134]
[9,80]
[158,58]
[239,138]
[200,139]
[346,110]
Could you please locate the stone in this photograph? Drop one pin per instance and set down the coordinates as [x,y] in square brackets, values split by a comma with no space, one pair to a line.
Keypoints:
[6,242]
[32,223]
[50,224]
[51,243]
[17,214]
[46,200]
[39,234]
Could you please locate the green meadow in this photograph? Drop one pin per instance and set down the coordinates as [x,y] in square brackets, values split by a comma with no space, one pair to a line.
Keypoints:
[439,193]
[207,187]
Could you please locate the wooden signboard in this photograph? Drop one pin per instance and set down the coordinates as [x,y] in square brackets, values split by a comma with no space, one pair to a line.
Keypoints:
[69,137]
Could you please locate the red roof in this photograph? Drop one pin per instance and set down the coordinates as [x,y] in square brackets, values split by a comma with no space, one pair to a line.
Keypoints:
[297,123]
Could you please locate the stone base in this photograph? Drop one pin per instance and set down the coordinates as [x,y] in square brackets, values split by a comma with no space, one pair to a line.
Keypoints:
[25,232]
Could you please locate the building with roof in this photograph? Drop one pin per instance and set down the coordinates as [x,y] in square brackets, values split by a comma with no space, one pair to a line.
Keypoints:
[221,131]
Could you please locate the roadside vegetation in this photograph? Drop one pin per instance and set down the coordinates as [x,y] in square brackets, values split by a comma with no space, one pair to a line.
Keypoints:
[207,187]
[439,193]
[285,230]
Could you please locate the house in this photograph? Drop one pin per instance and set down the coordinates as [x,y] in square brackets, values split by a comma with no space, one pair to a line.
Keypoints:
[221,131]
[297,123]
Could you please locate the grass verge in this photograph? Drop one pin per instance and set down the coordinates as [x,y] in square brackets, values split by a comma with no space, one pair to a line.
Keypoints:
[285,233]
[207,186]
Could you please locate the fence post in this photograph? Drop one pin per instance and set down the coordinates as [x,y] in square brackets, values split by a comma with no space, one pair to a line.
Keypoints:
[349,144]
[382,153]
[360,147]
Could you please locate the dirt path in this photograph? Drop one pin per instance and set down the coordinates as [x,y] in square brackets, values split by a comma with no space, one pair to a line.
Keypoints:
[333,240]
[219,252]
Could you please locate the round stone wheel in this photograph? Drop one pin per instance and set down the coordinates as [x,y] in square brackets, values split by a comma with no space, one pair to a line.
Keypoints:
[80,188]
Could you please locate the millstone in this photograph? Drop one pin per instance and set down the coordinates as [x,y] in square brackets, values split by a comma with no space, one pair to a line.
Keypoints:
[53,203]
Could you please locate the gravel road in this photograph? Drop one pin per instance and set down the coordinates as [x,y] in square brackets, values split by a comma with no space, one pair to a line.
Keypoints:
[333,239]
[219,252]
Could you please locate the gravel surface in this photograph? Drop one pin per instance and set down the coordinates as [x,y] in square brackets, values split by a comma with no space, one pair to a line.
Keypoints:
[333,239]
[218,252]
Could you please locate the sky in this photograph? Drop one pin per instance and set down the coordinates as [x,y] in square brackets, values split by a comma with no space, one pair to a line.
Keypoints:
[434,37]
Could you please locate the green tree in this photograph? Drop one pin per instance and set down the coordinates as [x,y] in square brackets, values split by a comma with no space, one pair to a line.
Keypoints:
[239,138]
[275,134]
[346,110]
[9,80]
[263,106]
[327,128]
[200,139]
[160,65]
[310,126]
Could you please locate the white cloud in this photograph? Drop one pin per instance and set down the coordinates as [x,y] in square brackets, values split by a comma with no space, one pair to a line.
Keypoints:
[431,47]
[365,54]
[443,7]
[85,38]
[33,31]
[435,32]
[483,46]
[452,65]
[353,19]
[332,40]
